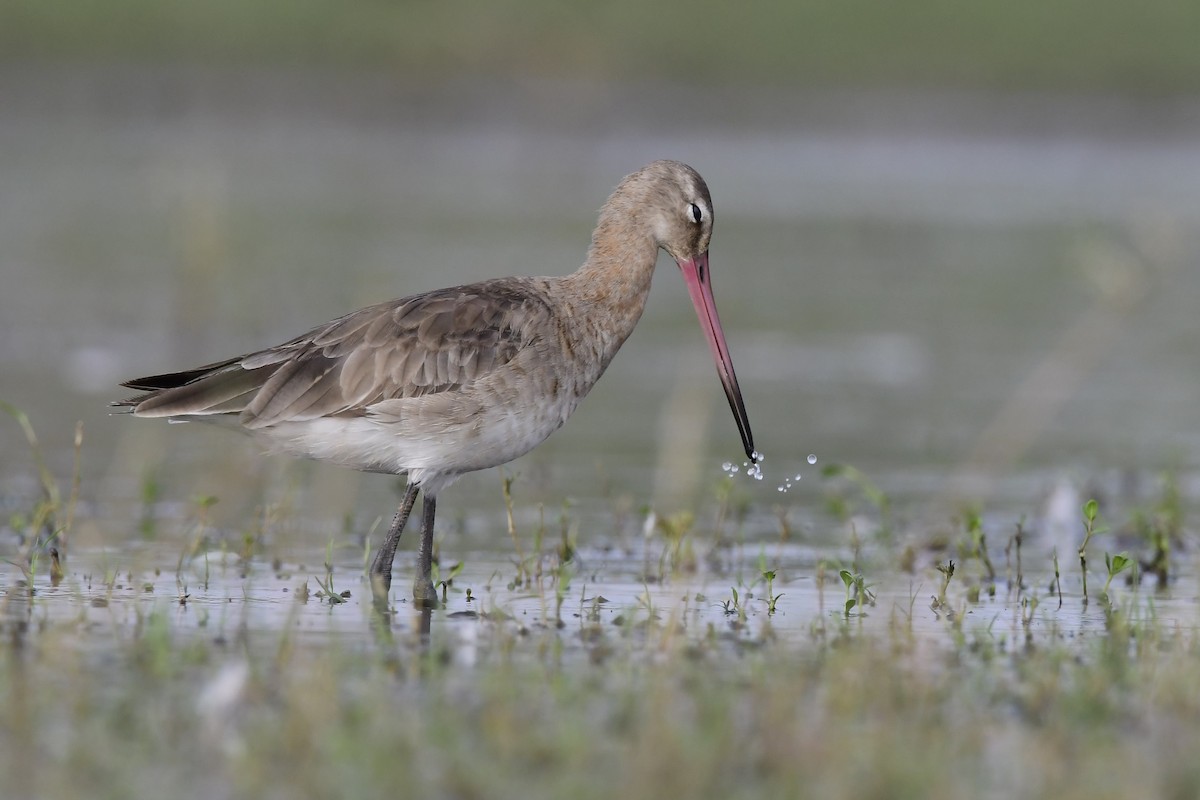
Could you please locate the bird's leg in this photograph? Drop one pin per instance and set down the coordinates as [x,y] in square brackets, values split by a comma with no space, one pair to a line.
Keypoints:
[424,592]
[381,567]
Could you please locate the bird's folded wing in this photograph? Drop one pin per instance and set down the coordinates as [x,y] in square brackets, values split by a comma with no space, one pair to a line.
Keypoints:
[426,344]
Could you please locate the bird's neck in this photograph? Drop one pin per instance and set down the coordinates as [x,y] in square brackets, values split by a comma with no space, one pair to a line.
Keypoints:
[611,287]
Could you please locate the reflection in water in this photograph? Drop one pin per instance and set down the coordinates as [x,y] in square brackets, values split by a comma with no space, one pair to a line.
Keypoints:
[605,600]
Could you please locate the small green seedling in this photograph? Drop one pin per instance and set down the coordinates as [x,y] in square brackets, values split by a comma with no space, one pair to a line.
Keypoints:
[734,605]
[1115,566]
[1159,527]
[772,598]
[858,593]
[947,571]
[444,584]
[978,538]
[1029,606]
[523,576]
[678,550]
[327,593]
[1091,515]
[47,512]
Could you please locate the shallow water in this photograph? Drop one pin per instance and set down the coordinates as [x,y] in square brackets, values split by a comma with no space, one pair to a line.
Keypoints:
[602,596]
[993,315]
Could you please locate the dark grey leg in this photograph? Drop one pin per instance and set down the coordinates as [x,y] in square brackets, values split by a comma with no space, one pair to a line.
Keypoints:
[424,593]
[381,567]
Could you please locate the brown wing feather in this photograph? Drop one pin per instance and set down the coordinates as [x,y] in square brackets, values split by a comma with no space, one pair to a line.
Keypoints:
[226,387]
[421,345]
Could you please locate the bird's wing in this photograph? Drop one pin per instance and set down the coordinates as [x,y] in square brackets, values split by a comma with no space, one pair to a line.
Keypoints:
[429,343]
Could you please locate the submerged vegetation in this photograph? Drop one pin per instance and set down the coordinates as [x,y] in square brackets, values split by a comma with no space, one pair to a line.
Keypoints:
[713,659]
[257,714]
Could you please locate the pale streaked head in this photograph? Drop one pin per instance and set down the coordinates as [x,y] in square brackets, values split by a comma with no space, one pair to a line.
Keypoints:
[675,202]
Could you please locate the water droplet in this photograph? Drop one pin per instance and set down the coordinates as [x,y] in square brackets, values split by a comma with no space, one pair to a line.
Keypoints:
[812,458]
[757,457]
[726,466]
[797,477]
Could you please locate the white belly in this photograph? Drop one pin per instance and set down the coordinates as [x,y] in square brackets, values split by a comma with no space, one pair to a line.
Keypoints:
[433,439]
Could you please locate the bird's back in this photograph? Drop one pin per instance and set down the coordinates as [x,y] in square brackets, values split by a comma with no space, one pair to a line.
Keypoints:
[466,377]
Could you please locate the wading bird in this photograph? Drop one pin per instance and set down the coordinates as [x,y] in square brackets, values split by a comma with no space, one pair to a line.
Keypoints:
[461,379]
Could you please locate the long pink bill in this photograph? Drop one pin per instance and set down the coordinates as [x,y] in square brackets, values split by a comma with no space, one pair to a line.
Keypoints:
[695,273]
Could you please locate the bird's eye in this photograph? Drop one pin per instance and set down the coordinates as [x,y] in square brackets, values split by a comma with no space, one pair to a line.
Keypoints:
[697,214]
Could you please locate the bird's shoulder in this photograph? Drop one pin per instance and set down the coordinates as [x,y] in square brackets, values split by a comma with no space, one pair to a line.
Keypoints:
[497,316]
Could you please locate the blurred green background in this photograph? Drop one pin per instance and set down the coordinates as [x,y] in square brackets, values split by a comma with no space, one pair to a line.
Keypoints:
[1103,45]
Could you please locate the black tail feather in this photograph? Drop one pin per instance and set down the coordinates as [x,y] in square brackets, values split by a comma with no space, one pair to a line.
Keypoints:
[173,380]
